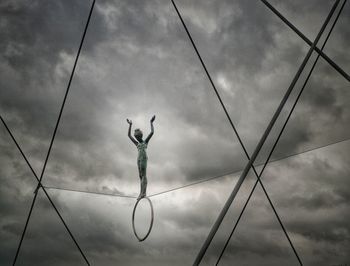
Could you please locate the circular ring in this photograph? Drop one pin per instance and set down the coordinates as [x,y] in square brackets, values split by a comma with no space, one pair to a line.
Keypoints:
[133,219]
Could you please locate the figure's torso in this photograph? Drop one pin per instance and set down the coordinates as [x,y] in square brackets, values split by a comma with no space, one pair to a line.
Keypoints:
[141,147]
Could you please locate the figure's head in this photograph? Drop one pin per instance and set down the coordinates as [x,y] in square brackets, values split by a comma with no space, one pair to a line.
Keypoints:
[138,134]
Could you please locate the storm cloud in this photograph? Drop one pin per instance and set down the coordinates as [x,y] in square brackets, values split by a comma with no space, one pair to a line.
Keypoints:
[137,61]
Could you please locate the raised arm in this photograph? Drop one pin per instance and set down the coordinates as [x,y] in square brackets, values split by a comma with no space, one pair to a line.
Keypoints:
[152,130]
[129,132]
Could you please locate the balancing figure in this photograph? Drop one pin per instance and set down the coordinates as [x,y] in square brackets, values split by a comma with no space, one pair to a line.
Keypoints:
[142,154]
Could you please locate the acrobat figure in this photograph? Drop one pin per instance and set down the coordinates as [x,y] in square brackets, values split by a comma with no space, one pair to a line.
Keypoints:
[142,154]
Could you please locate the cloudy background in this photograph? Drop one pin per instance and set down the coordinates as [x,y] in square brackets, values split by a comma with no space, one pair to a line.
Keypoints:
[137,61]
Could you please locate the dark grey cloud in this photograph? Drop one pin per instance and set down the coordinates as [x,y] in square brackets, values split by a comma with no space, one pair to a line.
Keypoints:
[137,61]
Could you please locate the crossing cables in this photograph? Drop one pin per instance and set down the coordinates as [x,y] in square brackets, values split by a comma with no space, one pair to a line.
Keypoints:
[260,144]
[53,138]
[280,134]
[252,159]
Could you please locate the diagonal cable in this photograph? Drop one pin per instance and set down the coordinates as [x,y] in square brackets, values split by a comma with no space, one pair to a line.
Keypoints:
[279,136]
[249,165]
[235,131]
[47,195]
[54,134]
[301,35]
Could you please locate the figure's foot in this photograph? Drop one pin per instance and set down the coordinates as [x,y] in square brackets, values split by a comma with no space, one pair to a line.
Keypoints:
[141,196]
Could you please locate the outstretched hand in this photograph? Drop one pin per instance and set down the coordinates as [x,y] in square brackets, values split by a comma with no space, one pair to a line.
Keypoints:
[153,118]
[129,121]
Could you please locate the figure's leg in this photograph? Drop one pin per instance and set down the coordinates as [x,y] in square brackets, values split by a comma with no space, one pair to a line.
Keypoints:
[141,189]
[140,175]
[143,186]
[143,178]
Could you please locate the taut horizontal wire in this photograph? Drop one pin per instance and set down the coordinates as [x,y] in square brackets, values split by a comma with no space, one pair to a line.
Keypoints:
[92,192]
[198,182]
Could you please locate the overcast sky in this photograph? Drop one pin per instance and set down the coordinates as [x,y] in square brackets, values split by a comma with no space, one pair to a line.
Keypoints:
[137,61]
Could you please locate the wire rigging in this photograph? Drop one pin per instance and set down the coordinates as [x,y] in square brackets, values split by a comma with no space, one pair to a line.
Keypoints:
[258,148]
[280,134]
[301,35]
[249,165]
[47,195]
[193,183]
[91,192]
[53,137]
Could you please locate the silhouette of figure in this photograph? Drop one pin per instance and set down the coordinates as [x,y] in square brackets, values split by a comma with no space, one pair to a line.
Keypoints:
[142,154]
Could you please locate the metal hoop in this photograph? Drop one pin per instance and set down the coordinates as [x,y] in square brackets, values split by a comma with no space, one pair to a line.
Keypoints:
[133,219]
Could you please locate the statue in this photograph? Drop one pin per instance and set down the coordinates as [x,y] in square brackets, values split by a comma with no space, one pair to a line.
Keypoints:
[142,155]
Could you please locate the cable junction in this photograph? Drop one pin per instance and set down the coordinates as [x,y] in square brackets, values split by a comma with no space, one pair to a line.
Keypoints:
[261,142]
[280,134]
[39,185]
[251,159]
